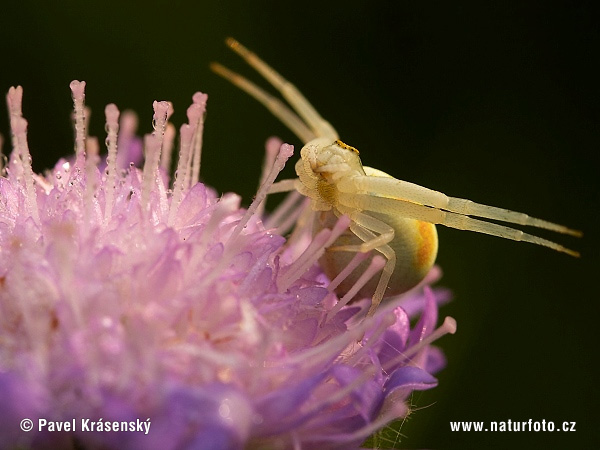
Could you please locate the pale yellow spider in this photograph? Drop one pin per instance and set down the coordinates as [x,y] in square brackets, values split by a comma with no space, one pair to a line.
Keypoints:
[394,217]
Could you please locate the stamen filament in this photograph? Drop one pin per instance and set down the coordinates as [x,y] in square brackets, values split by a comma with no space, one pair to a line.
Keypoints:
[112,129]
[448,327]
[285,152]
[376,265]
[78,92]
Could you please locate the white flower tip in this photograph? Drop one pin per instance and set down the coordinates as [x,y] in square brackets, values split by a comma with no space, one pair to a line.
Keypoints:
[286,151]
[273,145]
[112,115]
[15,92]
[129,122]
[200,98]
[14,98]
[449,325]
[160,108]
[78,89]
[196,110]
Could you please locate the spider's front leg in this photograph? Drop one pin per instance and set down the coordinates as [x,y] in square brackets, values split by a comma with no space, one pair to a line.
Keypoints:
[382,193]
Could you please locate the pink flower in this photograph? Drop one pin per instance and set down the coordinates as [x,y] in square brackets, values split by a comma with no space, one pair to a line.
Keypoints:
[125,298]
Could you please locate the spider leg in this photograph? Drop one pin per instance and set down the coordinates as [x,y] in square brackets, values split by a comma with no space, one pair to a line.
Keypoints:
[386,273]
[393,206]
[313,119]
[283,186]
[363,222]
[274,105]
[385,186]
[365,228]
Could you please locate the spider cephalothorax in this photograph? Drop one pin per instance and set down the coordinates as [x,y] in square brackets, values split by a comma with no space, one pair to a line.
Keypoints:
[323,163]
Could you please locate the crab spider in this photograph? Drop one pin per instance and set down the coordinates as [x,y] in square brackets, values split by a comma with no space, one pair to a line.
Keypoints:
[393,217]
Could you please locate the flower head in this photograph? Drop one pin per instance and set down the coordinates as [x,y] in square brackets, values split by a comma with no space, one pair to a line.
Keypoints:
[126,297]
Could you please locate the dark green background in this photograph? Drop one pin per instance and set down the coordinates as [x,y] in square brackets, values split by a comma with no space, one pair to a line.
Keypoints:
[495,102]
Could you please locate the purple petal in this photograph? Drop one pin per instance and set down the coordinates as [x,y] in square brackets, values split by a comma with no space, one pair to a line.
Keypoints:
[393,341]
[436,360]
[367,398]
[410,377]
[19,400]
[280,409]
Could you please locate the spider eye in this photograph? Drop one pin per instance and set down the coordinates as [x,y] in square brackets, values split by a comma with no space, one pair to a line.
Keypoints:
[345,146]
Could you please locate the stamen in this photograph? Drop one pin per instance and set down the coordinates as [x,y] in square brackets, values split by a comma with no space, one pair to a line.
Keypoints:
[167,149]
[199,100]
[322,352]
[185,141]
[126,138]
[152,150]
[193,121]
[285,152]
[344,391]
[78,93]
[300,205]
[87,114]
[14,99]
[385,321]
[152,145]
[91,164]
[353,264]
[304,261]
[271,149]
[92,148]
[290,203]
[376,265]
[18,126]
[1,155]
[312,254]
[303,229]
[112,129]
[448,327]
[226,205]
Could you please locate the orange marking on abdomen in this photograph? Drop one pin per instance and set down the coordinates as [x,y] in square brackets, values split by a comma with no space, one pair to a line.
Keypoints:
[427,246]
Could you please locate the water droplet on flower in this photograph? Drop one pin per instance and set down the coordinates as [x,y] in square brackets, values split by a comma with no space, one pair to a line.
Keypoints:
[224,410]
